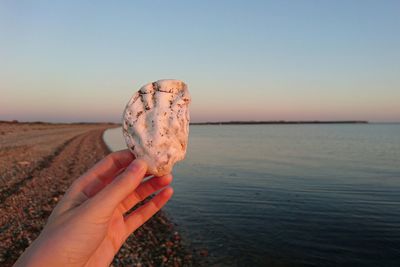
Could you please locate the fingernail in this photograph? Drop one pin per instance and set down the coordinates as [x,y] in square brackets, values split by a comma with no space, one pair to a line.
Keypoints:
[138,165]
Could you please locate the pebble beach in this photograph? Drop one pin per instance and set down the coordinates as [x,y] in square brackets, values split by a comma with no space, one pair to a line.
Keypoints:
[38,162]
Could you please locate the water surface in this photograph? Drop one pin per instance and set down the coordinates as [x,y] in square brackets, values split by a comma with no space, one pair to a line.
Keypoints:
[290,195]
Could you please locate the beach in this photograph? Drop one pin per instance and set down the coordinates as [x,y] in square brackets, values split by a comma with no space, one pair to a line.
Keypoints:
[38,162]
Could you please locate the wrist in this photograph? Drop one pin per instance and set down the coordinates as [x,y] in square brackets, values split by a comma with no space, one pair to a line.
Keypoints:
[37,254]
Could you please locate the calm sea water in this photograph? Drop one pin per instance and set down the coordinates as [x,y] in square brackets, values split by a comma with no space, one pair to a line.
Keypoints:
[290,195]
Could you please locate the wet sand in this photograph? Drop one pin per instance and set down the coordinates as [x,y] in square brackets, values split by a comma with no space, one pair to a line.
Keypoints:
[38,162]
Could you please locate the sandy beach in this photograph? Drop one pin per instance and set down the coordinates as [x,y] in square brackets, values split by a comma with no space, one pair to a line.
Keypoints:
[38,162]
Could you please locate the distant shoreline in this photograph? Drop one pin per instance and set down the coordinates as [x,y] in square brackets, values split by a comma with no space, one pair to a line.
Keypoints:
[276,122]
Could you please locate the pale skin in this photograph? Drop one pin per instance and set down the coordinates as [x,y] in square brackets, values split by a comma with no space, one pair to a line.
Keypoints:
[90,223]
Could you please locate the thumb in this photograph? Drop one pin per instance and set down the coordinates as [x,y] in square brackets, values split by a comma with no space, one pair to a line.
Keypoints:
[124,184]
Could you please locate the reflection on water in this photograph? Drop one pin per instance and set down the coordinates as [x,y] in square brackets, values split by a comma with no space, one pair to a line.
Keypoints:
[290,195]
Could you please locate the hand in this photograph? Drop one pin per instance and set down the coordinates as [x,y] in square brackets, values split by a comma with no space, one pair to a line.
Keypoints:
[89,224]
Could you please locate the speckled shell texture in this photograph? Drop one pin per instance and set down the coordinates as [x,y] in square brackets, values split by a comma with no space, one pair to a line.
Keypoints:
[156,124]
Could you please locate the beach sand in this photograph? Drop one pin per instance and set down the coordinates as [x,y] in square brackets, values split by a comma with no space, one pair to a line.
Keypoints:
[38,162]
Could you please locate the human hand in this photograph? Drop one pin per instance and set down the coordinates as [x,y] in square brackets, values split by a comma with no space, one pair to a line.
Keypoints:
[90,223]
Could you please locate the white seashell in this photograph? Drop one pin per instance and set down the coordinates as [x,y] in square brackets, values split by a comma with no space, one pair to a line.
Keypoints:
[156,124]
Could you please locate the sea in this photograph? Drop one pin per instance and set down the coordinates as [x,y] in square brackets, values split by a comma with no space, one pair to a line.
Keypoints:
[289,195]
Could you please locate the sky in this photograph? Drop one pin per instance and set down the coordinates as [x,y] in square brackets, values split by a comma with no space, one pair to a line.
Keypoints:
[70,61]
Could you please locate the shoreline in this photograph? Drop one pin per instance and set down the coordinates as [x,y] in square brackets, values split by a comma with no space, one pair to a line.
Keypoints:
[38,162]
[158,236]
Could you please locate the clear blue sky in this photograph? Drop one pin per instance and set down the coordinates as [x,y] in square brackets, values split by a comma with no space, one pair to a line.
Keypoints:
[242,60]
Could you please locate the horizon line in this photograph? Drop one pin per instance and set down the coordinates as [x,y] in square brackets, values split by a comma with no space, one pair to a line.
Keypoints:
[245,122]
[283,122]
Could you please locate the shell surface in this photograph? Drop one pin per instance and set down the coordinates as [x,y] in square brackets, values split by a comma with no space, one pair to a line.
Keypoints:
[156,124]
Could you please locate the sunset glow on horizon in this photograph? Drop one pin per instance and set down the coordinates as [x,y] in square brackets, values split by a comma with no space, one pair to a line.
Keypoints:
[300,60]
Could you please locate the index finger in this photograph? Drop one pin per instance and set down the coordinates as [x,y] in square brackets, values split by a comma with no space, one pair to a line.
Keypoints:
[103,172]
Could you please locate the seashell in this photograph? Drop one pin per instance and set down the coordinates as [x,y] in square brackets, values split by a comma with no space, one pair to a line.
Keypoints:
[156,124]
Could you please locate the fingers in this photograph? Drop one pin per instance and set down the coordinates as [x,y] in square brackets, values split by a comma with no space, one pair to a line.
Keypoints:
[144,190]
[111,196]
[142,214]
[103,172]
[94,180]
